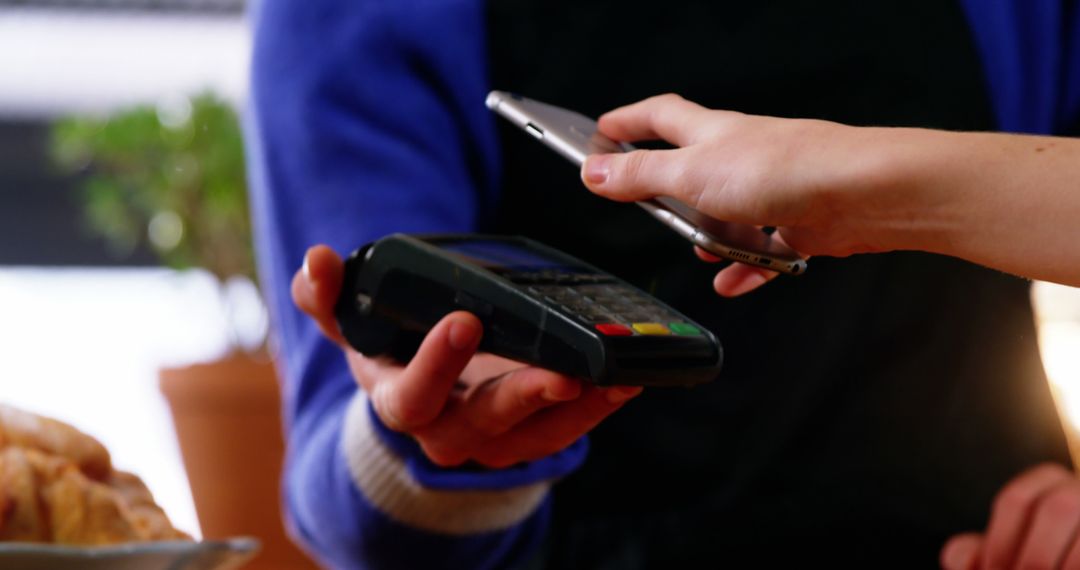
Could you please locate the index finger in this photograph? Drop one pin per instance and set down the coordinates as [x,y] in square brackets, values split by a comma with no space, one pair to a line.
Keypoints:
[668,117]
[417,395]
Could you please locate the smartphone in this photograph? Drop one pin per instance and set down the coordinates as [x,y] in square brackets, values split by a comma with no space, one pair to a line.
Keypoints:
[576,136]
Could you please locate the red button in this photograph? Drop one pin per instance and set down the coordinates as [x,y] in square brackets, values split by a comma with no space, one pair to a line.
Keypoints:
[612,329]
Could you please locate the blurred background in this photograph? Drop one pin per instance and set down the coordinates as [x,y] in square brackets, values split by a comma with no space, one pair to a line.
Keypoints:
[124,258]
[125,261]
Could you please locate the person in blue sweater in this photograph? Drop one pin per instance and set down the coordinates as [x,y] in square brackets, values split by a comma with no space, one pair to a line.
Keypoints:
[872,407]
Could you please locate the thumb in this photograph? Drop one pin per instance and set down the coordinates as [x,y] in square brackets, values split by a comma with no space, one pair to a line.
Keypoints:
[636,175]
[315,288]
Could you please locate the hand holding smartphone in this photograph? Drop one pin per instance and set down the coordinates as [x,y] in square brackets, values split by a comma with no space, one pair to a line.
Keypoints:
[576,136]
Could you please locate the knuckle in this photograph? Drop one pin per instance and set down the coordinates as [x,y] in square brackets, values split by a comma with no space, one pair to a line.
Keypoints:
[640,172]
[529,400]
[1063,503]
[666,117]
[687,183]
[634,166]
[669,97]
[1013,498]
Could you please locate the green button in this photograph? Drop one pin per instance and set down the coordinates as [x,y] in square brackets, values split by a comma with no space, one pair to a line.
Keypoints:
[684,328]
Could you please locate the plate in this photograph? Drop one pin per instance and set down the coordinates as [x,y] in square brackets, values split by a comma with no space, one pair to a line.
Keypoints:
[209,555]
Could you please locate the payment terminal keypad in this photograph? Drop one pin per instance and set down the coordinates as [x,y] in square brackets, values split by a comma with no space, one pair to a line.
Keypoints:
[538,306]
[610,307]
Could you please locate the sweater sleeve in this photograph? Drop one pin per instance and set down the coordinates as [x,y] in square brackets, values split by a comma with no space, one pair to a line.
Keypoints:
[367,118]
[1030,51]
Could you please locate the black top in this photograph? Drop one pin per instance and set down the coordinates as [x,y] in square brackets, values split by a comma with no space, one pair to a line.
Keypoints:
[867,410]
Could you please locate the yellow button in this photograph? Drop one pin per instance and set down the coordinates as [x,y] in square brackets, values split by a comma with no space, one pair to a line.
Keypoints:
[651,328]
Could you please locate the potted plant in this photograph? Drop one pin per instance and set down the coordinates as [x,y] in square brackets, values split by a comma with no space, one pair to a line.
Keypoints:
[171,178]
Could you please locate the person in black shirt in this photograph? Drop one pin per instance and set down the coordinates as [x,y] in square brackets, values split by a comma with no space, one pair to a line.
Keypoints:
[1010,202]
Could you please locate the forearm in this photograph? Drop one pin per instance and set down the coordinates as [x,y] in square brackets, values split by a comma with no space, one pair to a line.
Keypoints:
[1011,202]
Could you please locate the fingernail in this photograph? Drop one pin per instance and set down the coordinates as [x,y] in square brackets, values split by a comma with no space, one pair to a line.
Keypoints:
[620,394]
[461,336]
[307,266]
[597,169]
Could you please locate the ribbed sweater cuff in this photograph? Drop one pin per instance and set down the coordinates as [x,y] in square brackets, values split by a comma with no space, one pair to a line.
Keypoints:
[383,478]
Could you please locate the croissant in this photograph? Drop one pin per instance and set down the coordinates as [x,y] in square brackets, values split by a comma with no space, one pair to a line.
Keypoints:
[57,485]
[21,516]
[23,429]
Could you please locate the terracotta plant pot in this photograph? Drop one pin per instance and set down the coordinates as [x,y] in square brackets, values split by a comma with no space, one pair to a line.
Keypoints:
[228,421]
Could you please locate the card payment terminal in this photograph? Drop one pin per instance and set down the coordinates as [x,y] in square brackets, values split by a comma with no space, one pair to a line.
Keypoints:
[538,305]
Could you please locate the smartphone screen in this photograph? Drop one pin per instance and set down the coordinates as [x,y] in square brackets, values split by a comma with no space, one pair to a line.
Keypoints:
[576,136]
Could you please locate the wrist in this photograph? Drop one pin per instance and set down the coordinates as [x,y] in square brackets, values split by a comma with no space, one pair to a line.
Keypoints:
[428,474]
[389,483]
[896,195]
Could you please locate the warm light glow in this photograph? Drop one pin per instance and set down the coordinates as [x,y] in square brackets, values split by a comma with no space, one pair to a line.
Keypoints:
[1060,344]
[1057,310]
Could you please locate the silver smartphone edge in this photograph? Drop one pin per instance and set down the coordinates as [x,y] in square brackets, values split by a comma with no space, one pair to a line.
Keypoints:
[702,240]
[501,102]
